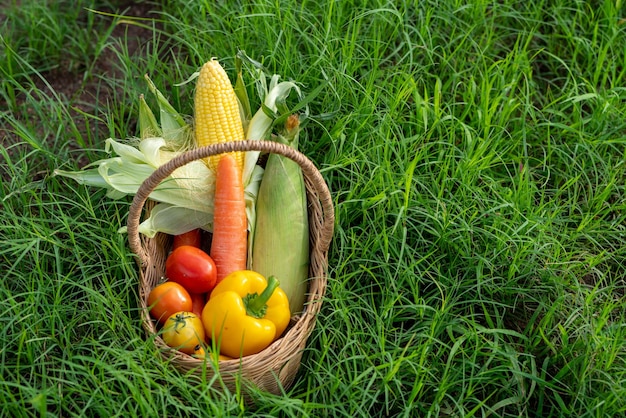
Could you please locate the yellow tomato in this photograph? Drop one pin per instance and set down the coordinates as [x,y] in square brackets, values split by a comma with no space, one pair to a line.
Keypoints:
[183,331]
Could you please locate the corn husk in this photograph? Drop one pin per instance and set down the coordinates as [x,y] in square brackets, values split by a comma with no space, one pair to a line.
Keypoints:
[281,238]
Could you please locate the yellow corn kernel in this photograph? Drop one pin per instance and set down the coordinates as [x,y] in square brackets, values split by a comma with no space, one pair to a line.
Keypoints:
[217,117]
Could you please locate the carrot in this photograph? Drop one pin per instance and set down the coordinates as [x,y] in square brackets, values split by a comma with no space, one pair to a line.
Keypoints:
[229,244]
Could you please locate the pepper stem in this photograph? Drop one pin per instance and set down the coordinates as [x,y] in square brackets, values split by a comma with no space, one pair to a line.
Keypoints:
[256,305]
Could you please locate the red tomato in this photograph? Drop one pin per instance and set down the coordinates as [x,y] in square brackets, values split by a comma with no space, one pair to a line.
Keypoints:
[184,331]
[168,298]
[193,238]
[198,300]
[192,268]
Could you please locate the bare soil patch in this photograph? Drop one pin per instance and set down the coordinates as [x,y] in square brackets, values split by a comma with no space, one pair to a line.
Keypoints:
[88,94]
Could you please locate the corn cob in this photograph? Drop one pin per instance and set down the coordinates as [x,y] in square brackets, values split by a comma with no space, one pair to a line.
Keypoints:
[281,237]
[217,117]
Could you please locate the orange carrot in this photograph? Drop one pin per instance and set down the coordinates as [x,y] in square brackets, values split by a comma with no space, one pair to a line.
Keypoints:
[229,245]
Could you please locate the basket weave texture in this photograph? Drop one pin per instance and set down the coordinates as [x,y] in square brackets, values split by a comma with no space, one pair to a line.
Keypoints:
[277,365]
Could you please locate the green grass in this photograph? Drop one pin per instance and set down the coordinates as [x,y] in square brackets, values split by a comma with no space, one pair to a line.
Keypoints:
[475,154]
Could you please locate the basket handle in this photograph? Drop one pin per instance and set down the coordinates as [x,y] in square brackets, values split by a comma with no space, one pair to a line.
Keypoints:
[309,171]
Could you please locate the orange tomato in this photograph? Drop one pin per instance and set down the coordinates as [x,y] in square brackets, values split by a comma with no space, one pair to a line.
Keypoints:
[167,299]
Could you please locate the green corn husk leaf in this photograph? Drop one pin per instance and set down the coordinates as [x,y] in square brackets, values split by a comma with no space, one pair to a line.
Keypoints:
[261,124]
[173,127]
[148,125]
[281,236]
[259,127]
[242,95]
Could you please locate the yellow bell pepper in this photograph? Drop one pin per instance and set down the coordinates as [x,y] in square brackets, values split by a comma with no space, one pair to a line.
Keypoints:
[245,313]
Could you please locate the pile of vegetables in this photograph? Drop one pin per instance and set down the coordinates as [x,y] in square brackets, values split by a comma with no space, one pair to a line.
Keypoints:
[238,266]
[237,315]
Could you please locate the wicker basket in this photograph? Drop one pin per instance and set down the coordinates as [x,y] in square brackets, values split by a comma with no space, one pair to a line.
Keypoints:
[278,364]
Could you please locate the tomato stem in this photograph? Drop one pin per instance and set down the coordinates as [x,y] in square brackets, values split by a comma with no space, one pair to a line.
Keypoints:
[180,321]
